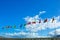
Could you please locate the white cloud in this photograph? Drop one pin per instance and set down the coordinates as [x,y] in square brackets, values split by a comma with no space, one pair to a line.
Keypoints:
[25,34]
[30,19]
[35,17]
[34,28]
[54,32]
[42,26]
[42,12]
[51,33]
[16,34]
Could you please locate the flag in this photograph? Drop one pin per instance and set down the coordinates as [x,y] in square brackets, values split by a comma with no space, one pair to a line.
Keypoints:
[28,23]
[53,20]
[8,27]
[24,24]
[21,25]
[33,22]
[39,21]
[14,26]
[45,20]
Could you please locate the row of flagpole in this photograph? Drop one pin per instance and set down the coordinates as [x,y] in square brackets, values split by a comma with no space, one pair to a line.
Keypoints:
[34,22]
[22,25]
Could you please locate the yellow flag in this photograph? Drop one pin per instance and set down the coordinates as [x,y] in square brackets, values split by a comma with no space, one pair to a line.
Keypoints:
[24,24]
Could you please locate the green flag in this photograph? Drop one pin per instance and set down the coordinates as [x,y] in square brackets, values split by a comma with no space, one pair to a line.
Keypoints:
[24,24]
[14,26]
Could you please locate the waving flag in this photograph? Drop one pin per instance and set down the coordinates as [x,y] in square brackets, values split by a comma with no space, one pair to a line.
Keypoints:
[8,27]
[14,26]
[53,20]
[39,21]
[24,24]
[28,23]
[33,22]
[21,25]
[45,20]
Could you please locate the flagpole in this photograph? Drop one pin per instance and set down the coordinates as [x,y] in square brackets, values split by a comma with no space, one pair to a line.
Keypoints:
[55,27]
[47,27]
[41,26]
[55,31]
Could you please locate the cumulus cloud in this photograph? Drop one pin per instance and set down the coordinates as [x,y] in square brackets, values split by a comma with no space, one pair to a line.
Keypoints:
[34,28]
[28,18]
[42,26]
[54,32]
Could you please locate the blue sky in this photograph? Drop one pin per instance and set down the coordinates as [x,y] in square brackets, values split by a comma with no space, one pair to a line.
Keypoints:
[12,12]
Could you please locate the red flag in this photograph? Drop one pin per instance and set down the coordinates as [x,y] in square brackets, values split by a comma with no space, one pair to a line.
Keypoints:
[33,22]
[53,20]
[45,20]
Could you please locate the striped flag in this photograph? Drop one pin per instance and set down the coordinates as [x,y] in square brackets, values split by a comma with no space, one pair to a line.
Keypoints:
[45,20]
